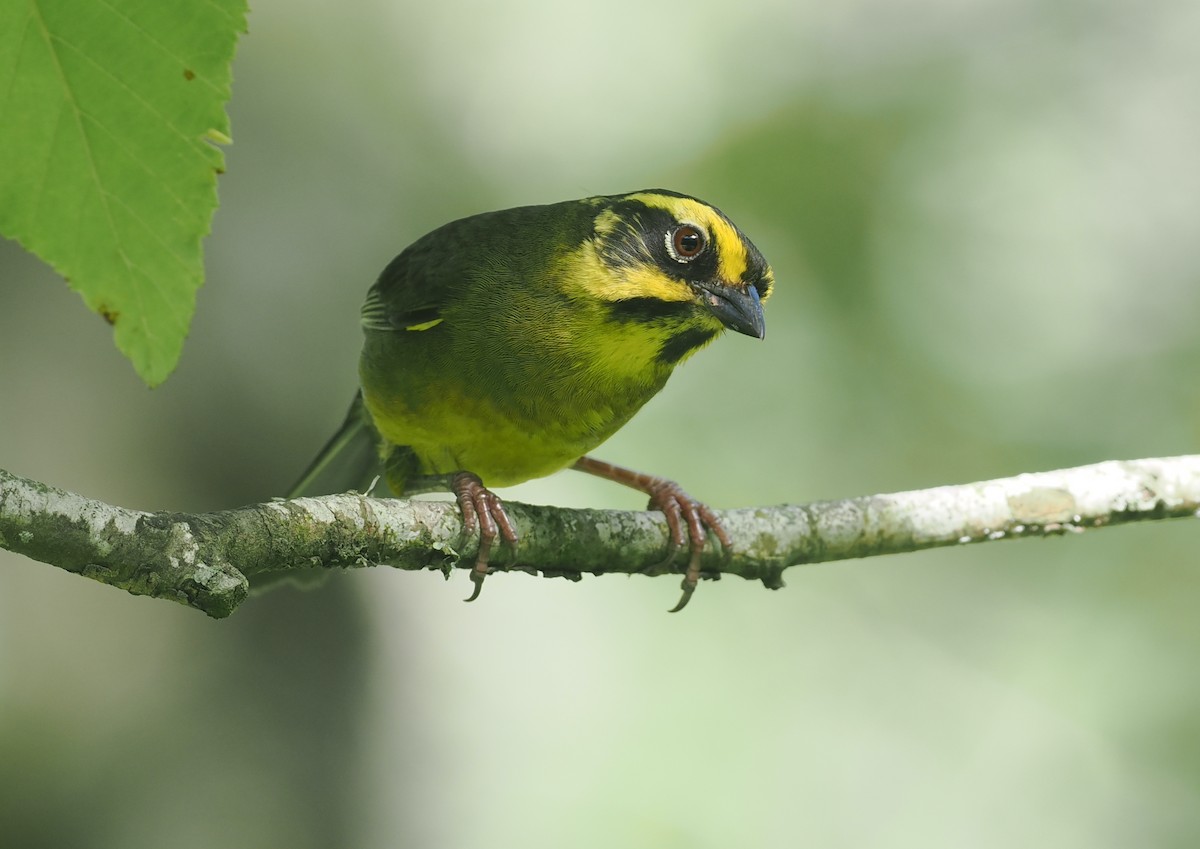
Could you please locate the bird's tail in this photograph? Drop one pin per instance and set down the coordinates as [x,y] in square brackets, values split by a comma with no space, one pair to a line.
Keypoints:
[349,460]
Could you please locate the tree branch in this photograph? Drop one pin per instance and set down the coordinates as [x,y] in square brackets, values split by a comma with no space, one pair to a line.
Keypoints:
[202,560]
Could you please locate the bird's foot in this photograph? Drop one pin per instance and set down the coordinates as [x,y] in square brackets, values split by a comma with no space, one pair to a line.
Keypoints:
[682,510]
[481,508]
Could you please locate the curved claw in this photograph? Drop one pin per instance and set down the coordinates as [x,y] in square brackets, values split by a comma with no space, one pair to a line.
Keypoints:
[688,588]
[692,576]
[482,508]
[477,580]
[680,507]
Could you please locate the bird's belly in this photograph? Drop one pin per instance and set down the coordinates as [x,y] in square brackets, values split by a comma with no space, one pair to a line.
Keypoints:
[502,446]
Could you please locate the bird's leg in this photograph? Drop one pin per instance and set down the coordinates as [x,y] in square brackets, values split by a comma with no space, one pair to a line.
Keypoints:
[481,508]
[679,509]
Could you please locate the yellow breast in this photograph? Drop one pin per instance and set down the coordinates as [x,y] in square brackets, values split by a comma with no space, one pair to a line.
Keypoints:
[500,443]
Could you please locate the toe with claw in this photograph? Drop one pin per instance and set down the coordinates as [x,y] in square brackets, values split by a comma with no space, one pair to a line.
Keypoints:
[680,510]
[482,509]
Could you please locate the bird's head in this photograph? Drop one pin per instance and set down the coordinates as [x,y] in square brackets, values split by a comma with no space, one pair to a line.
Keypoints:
[675,266]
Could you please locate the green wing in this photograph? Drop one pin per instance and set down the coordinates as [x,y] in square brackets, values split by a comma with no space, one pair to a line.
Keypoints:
[412,290]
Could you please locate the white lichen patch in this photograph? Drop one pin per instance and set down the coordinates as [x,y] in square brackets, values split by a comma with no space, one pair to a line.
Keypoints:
[182,547]
[100,518]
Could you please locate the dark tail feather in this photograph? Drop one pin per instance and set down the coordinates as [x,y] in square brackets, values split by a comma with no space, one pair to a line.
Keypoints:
[349,460]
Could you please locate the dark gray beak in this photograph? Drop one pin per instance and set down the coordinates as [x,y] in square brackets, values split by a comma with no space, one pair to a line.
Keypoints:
[737,309]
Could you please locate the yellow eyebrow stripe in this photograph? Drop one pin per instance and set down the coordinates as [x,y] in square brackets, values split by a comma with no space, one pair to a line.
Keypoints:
[730,249]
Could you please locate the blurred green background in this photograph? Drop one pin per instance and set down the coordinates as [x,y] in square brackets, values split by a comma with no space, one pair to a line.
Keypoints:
[982,217]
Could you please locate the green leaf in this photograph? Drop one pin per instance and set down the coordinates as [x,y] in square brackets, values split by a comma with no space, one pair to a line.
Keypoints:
[108,114]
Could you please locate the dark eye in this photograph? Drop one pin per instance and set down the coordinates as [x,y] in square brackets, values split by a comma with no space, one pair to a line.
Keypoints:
[687,242]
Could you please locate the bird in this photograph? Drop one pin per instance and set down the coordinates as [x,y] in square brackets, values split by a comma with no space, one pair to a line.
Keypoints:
[507,345]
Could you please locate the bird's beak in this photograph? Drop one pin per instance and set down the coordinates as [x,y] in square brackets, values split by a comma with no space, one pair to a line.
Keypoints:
[737,309]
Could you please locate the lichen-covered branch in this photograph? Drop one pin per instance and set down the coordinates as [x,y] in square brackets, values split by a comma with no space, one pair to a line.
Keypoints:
[202,560]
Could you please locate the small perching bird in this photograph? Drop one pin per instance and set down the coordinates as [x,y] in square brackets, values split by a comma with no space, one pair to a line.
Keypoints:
[507,345]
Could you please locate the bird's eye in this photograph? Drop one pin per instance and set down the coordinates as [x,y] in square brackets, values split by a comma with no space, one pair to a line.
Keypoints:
[687,242]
